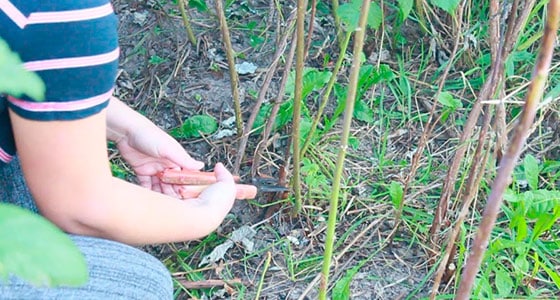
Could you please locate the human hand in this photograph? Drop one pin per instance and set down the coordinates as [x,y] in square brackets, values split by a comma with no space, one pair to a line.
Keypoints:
[149,150]
[191,183]
[219,196]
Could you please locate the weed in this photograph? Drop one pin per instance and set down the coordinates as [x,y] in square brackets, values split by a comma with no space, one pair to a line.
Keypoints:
[156,60]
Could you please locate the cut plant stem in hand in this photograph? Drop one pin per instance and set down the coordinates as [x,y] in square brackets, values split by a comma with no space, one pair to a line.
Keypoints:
[188,177]
[192,183]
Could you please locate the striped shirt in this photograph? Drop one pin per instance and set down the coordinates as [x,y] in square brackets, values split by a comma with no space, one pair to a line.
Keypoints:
[72,46]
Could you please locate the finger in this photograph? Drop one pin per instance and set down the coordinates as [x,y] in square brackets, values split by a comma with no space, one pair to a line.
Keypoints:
[163,188]
[156,188]
[177,155]
[245,191]
[222,174]
[242,191]
[145,181]
[169,190]
[223,190]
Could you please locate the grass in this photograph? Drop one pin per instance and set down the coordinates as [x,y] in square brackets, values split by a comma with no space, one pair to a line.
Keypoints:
[396,96]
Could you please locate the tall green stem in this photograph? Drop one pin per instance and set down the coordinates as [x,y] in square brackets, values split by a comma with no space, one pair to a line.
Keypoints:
[350,100]
[327,93]
[186,22]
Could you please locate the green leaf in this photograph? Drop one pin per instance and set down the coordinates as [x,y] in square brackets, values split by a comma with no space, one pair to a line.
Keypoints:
[520,224]
[349,14]
[118,172]
[370,75]
[405,6]
[447,100]
[353,142]
[156,60]
[545,222]
[14,79]
[522,264]
[313,79]
[304,129]
[531,169]
[37,251]
[540,202]
[448,5]
[511,196]
[504,283]
[396,193]
[262,116]
[363,112]
[553,274]
[198,125]
[200,5]
[384,74]
[341,290]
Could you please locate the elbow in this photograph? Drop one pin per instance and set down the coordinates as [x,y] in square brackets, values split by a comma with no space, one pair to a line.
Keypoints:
[75,212]
[73,220]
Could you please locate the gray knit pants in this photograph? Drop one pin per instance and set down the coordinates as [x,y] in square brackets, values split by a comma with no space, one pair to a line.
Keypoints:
[116,271]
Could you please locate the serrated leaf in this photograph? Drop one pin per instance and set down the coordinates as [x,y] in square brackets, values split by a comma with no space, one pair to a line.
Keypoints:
[313,79]
[531,169]
[504,283]
[37,251]
[405,6]
[14,79]
[197,125]
[396,193]
[448,5]
[349,14]
[540,202]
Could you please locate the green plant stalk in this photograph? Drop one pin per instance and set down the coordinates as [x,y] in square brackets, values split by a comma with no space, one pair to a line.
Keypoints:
[265,268]
[300,57]
[186,22]
[231,65]
[508,161]
[327,94]
[421,13]
[348,113]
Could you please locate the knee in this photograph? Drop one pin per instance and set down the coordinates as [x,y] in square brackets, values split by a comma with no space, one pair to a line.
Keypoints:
[123,271]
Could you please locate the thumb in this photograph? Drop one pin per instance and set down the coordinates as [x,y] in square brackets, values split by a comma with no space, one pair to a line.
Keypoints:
[222,174]
[223,190]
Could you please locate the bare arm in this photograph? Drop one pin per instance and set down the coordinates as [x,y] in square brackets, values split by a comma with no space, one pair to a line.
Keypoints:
[66,166]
